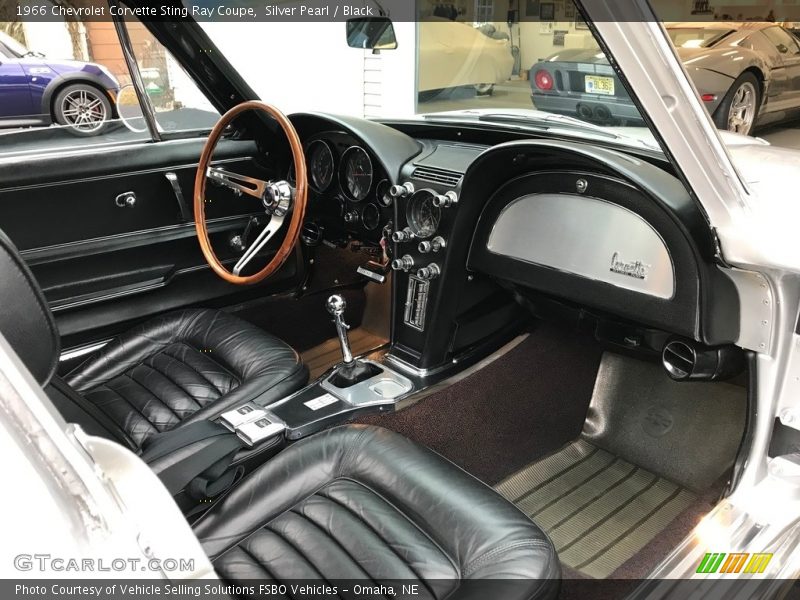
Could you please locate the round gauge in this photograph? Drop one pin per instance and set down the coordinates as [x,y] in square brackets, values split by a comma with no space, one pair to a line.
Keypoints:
[370,217]
[422,216]
[382,192]
[355,173]
[320,165]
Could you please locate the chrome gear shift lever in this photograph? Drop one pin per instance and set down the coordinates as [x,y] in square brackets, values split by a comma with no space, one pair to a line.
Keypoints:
[336,306]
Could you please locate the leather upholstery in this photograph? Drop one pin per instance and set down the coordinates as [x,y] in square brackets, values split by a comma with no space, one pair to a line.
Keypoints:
[25,318]
[361,502]
[184,367]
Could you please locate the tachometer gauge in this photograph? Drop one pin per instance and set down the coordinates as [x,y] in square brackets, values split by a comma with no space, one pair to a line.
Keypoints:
[422,216]
[320,165]
[355,173]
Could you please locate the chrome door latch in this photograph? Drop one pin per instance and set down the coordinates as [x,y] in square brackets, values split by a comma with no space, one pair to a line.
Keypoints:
[126,200]
[185,213]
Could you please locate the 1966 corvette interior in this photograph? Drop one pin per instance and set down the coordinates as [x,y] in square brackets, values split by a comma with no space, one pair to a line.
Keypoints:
[548,315]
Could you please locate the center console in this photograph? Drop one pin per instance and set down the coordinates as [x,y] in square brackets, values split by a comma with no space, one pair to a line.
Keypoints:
[353,386]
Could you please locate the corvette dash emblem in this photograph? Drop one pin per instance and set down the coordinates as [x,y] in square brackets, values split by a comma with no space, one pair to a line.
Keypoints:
[636,269]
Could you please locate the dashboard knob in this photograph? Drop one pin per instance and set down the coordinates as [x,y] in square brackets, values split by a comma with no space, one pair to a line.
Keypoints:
[351,217]
[432,271]
[404,235]
[433,245]
[445,200]
[404,263]
[401,191]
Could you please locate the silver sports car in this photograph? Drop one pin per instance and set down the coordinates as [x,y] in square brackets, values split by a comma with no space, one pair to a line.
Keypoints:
[747,74]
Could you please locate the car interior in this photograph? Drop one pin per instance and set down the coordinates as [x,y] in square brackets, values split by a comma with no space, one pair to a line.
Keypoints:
[387,350]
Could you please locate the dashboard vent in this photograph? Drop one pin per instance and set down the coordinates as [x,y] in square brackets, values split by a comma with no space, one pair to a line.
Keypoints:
[434,175]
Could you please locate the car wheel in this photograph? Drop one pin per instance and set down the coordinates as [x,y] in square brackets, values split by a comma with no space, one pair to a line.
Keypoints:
[82,107]
[739,109]
[484,89]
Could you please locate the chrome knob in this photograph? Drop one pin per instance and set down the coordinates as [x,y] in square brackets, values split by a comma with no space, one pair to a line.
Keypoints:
[401,191]
[404,263]
[445,200]
[432,271]
[433,245]
[404,235]
[336,305]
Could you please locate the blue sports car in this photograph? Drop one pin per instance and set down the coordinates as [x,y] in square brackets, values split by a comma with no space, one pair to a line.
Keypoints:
[37,91]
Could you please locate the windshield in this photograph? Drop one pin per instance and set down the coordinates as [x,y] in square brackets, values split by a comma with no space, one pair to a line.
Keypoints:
[696,37]
[450,62]
[13,45]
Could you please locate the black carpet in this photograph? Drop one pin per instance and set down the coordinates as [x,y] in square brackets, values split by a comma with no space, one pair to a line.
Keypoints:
[526,404]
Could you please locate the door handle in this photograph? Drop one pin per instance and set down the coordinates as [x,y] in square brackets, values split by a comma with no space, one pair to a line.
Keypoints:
[186,215]
[126,200]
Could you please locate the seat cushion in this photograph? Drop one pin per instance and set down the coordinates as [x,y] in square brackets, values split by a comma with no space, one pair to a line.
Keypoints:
[361,502]
[183,367]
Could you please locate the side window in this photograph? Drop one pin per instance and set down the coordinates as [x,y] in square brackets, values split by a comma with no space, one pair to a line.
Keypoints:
[178,104]
[782,40]
[60,84]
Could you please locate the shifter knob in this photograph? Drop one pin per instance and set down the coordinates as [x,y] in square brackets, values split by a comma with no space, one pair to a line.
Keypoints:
[336,305]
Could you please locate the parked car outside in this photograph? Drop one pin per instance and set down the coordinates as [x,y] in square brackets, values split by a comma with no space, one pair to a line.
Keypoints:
[36,91]
[454,54]
[747,74]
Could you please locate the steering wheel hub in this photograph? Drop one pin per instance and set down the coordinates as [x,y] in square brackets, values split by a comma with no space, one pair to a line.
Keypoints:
[278,198]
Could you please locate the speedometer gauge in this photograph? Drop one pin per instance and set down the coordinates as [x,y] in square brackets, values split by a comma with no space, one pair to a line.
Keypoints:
[355,173]
[422,216]
[320,165]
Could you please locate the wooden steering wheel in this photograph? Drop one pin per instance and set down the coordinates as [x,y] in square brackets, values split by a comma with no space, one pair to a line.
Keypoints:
[279,198]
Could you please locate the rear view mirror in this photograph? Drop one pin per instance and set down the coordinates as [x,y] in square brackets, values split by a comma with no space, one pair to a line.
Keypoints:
[371,33]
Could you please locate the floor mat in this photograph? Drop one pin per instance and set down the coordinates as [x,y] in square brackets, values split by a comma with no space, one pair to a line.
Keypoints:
[598,509]
[322,357]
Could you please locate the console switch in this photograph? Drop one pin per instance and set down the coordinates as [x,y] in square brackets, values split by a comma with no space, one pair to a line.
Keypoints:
[241,415]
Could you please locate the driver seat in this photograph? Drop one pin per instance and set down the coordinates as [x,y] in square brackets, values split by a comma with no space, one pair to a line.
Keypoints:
[175,369]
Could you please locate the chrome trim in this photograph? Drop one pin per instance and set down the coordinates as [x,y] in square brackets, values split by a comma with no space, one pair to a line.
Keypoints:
[365,394]
[79,351]
[757,309]
[585,236]
[148,112]
[240,184]
[130,239]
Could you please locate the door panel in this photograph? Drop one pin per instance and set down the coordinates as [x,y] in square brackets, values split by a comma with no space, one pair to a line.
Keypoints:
[104,265]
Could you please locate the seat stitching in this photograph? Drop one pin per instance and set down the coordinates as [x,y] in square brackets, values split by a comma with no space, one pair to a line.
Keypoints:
[380,537]
[255,559]
[456,567]
[126,401]
[183,362]
[331,536]
[219,363]
[350,450]
[296,549]
[171,380]
[484,558]
[153,394]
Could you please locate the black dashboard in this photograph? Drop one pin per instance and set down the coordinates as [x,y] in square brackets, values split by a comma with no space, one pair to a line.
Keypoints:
[477,227]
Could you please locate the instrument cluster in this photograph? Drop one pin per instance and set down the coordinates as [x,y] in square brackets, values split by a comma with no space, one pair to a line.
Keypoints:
[350,192]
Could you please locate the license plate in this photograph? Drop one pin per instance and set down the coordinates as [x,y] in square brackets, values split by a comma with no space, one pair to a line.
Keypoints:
[599,85]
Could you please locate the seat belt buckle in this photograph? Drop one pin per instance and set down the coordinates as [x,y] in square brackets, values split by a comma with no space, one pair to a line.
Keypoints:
[255,432]
[245,413]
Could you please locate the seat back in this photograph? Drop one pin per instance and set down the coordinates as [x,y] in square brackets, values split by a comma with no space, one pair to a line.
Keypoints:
[25,317]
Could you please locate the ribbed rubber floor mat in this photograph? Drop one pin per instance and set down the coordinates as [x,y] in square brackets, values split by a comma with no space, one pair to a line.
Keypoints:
[598,509]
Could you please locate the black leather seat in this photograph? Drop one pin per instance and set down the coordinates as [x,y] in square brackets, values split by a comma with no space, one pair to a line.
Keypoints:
[363,503]
[175,369]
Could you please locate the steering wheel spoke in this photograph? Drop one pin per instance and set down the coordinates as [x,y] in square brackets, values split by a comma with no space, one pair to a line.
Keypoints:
[240,184]
[260,242]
